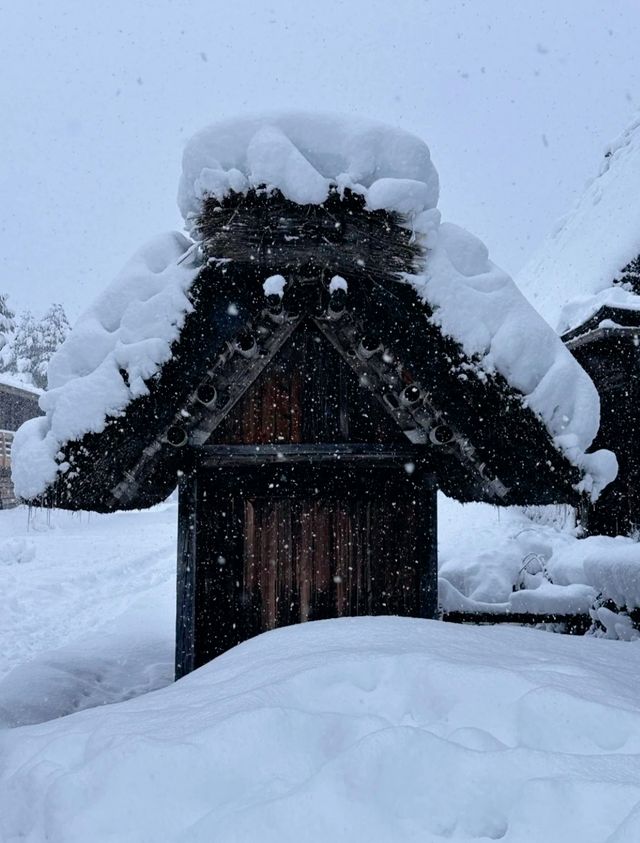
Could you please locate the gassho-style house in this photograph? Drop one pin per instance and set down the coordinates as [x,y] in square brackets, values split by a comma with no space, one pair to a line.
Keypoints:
[310,365]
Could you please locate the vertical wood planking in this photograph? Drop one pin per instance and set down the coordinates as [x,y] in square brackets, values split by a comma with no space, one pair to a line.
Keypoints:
[305,541]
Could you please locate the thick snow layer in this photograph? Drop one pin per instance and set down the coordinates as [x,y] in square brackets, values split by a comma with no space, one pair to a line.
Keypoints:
[539,566]
[377,729]
[479,305]
[274,286]
[131,327]
[570,277]
[83,588]
[385,729]
[304,155]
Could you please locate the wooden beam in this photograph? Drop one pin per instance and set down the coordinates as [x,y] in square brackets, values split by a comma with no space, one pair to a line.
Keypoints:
[427,541]
[285,453]
[417,421]
[576,624]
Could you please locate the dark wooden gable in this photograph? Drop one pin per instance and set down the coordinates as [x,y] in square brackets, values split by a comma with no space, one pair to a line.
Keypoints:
[308,393]
[308,503]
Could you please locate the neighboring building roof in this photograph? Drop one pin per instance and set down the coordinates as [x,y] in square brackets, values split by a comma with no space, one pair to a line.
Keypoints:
[16,382]
[306,197]
[572,274]
[17,404]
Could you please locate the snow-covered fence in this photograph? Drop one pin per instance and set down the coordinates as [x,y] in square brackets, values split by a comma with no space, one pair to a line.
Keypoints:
[17,404]
[7,496]
[6,438]
[572,624]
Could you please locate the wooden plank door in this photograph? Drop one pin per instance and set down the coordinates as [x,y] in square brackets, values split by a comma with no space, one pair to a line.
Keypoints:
[283,544]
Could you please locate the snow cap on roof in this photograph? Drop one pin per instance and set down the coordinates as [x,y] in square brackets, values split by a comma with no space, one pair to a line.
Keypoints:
[571,275]
[125,338]
[19,381]
[116,346]
[304,155]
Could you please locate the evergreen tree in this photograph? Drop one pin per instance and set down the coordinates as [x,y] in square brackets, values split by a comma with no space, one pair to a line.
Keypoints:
[630,276]
[7,328]
[27,348]
[50,334]
[24,347]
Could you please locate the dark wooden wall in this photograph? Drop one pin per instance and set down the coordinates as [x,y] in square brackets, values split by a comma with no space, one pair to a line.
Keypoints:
[274,539]
[307,394]
[16,407]
[612,359]
[327,541]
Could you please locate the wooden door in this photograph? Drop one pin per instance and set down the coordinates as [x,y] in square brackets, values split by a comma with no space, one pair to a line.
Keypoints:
[282,544]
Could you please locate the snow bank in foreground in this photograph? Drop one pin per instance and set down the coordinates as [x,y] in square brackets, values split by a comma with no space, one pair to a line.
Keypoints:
[570,277]
[132,325]
[128,329]
[377,729]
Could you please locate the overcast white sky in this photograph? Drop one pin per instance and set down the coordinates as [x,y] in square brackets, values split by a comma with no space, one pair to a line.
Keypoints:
[515,99]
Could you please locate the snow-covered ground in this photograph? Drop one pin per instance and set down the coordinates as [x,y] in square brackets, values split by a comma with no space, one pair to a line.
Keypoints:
[88,609]
[380,729]
[371,729]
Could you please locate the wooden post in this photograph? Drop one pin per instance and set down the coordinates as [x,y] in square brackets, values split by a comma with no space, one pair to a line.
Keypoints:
[428,547]
[186,591]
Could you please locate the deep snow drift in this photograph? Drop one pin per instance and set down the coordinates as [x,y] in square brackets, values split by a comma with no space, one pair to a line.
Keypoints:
[380,729]
[570,276]
[125,338]
[519,562]
[376,729]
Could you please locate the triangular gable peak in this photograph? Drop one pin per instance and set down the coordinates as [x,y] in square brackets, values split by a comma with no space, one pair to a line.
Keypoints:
[343,267]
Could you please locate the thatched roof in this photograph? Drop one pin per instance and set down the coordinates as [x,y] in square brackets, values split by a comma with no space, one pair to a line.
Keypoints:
[484,441]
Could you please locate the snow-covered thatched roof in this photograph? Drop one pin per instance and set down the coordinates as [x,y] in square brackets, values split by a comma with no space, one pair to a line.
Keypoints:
[304,156]
[122,344]
[572,274]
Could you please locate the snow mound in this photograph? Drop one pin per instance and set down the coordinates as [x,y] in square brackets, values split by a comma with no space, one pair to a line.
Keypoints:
[570,276]
[131,327]
[377,729]
[517,564]
[304,155]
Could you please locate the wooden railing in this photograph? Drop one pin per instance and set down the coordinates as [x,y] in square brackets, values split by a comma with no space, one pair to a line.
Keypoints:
[574,624]
[6,440]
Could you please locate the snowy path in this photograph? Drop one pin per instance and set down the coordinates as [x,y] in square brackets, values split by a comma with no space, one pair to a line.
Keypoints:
[88,609]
